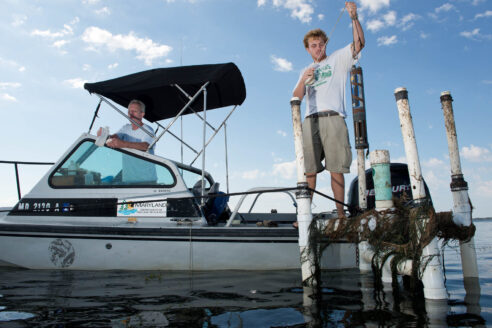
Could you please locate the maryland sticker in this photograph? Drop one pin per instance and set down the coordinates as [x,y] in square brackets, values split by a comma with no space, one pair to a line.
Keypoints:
[141,207]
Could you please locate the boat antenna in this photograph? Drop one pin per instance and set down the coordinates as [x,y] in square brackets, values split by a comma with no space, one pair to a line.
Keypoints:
[181,117]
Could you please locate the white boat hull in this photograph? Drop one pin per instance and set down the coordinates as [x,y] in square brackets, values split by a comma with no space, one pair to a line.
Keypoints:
[206,249]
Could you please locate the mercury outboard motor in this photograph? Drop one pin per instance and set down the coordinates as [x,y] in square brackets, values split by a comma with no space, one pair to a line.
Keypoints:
[400,182]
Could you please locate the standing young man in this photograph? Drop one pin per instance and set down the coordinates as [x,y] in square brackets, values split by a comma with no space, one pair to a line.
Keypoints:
[324,130]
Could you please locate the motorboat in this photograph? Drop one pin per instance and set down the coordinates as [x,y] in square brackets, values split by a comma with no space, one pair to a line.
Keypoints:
[102,208]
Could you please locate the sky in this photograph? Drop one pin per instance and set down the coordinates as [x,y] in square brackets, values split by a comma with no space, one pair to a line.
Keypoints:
[50,48]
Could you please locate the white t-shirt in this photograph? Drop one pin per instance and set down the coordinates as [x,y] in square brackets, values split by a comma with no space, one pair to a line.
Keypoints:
[134,169]
[126,133]
[328,89]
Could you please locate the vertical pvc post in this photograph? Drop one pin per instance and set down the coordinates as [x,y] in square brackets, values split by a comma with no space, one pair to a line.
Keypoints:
[360,130]
[462,209]
[432,277]
[304,215]
[381,175]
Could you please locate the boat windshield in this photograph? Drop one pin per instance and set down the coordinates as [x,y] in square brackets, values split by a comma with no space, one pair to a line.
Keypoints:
[192,179]
[91,166]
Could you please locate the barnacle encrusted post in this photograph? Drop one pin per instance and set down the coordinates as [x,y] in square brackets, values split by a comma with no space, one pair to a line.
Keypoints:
[432,276]
[304,216]
[462,215]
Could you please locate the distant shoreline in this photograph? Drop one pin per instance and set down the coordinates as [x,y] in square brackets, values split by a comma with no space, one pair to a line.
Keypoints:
[489,218]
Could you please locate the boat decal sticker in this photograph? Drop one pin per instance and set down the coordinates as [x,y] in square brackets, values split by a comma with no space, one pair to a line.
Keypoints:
[62,253]
[65,207]
[141,207]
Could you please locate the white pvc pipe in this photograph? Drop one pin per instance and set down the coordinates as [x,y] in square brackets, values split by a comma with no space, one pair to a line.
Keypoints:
[304,215]
[416,181]
[462,213]
[403,267]
[361,172]
[432,277]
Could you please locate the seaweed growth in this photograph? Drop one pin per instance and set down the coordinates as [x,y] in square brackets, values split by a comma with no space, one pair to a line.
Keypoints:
[400,233]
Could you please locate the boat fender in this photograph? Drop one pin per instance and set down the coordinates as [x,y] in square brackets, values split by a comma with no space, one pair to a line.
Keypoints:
[101,140]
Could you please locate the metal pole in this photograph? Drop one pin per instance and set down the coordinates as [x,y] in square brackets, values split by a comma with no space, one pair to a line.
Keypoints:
[181,119]
[95,115]
[304,215]
[180,112]
[204,137]
[226,157]
[462,213]
[432,277]
[17,180]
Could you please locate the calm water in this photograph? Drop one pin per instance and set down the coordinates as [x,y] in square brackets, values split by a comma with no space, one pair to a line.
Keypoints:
[32,298]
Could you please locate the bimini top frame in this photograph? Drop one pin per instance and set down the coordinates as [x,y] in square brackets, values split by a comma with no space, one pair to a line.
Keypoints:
[174,92]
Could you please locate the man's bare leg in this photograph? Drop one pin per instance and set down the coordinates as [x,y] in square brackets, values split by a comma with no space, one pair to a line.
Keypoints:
[338,187]
[311,181]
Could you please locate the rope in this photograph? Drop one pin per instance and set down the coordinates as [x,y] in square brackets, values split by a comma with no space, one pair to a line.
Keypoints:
[89,206]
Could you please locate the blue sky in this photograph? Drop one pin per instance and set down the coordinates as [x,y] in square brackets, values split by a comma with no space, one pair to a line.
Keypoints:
[50,48]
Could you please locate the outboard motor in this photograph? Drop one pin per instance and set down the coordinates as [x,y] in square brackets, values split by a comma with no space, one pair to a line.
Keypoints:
[400,182]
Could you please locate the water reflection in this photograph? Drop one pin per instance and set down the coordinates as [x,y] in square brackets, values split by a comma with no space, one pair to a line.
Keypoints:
[236,299]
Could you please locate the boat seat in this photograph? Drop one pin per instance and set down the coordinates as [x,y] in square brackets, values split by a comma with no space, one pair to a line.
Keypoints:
[213,206]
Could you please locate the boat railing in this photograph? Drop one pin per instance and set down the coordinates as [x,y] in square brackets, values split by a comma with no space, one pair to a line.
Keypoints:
[16,166]
[259,191]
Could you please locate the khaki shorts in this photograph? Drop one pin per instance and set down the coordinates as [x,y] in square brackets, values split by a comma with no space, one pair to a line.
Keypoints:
[326,138]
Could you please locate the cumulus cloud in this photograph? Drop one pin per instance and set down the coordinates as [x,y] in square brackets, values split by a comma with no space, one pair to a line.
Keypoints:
[476,35]
[444,8]
[387,40]
[321,17]
[299,9]
[476,154]
[112,66]
[67,30]
[146,49]
[470,34]
[104,11]
[424,35]
[60,43]
[11,64]
[86,67]
[281,64]
[7,85]
[485,14]
[390,18]
[18,20]
[251,175]
[285,170]
[282,133]
[90,2]
[7,97]
[374,25]
[433,162]
[76,83]
[374,5]
[408,21]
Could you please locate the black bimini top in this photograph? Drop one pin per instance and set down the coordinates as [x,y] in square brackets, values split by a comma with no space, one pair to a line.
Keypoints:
[163,100]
